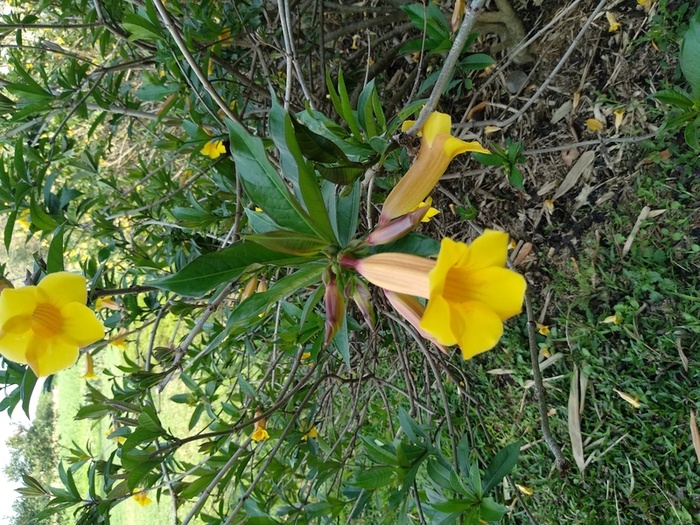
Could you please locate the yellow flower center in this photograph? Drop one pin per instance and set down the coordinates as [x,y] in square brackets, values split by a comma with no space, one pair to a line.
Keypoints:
[46,321]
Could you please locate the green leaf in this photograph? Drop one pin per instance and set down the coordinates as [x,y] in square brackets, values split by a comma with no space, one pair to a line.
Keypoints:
[341,102]
[68,481]
[691,136]
[341,341]
[378,453]
[293,243]
[410,427]
[196,487]
[54,259]
[477,62]
[365,111]
[26,388]
[492,511]
[500,465]
[148,419]
[373,478]
[40,218]
[674,97]
[344,210]
[342,175]
[210,270]
[452,505]
[257,303]
[316,147]
[690,51]
[140,28]
[264,185]
[297,170]
[492,159]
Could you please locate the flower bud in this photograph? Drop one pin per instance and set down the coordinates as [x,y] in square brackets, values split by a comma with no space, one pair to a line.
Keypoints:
[335,305]
[359,291]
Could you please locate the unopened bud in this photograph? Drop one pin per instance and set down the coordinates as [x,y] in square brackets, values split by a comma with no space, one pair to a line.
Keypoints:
[335,305]
[359,291]
[392,230]
[250,288]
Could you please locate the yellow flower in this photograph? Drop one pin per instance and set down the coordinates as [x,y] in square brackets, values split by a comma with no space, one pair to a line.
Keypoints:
[614,319]
[89,370]
[305,355]
[470,292]
[612,22]
[432,212]
[437,150]
[118,439]
[45,325]
[213,149]
[543,329]
[309,430]
[141,497]
[259,432]
[119,341]
[107,302]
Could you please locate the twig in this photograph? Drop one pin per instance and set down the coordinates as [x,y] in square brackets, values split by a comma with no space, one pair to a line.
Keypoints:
[562,463]
[449,65]
[573,47]
[182,46]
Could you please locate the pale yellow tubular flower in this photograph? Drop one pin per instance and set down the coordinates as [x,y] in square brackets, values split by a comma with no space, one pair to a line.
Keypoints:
[412,310]
[44,326]
[89,368]
[438,148]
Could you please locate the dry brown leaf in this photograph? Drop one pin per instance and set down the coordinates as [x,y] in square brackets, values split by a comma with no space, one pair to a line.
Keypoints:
[574,174]
[522,253]
[476,109]
[638,224]
[575,421]
[569,156]
[684,358]
[561,112]
[695,434]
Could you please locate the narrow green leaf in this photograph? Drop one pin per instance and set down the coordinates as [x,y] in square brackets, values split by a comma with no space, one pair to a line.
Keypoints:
[365,113]
[373,478]
[54,259]
[492,511]
[477,62]
[26,388]
[210,270]
[341,341]
[348,113]
[196,487]
[501,465]
[264,185]
[297,170]
[148,419]
[292,243]
[257,303]
[674,97]
[691,136]
[378,453]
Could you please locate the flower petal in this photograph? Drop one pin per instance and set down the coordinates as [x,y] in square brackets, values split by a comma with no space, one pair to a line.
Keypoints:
[13,346]
[502,290]
[482,328]
[489,249]
[437,123]
[412,310]
[436,321]
[18,302]
[398,272]
[453,146]
[451,253]
[80,327]
[48,357]
[62,288]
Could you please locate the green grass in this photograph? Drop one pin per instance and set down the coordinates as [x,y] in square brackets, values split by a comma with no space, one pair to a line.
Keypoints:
[92,436]
[643,468]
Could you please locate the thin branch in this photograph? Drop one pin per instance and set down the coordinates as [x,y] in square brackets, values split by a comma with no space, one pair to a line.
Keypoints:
[182,46]
[573,47]
[449,65]
[562,463]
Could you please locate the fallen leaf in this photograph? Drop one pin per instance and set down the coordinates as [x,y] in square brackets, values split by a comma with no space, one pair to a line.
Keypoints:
[476,109]
[681,353]
[491,129]
[574,174]
[549,205]
[594,125]
[634,401]
[576,99]
[695,434]
[612,20]
[574,422]
[525,490]
[638,224]
[569,156]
